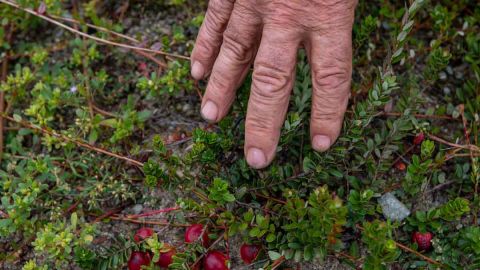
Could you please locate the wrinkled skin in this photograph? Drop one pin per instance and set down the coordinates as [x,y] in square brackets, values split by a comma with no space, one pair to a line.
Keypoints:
[268,33]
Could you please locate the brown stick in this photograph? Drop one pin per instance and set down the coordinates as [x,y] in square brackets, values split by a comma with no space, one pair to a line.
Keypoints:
[416,115]
[270,198]
[470,147]
[150,222]
[422,116]
[75,141]
[3,77]
[154,212]
[278,262]
[103,112]
[108,214]
[2,104]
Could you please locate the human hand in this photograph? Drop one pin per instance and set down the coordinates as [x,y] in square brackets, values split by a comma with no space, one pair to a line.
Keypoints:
[269,33]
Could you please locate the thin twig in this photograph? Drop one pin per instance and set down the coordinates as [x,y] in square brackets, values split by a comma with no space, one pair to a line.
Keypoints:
[103,112]
[278,262]
[3,77]
[107,214]
[467,140]
[440,186]
[149,222]
[75,141]
[154,212]
[470,147]
[270,198]
[416,115]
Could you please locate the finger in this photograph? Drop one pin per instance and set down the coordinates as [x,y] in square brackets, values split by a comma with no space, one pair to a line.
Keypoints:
[330,56]
[233,63]
[210,38]
[273,78]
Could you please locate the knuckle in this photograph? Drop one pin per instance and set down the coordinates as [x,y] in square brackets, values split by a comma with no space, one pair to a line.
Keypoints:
[205,48]
[236,49]
[261,127]
[220,10]
[323,114]
[329,105]
[270,82]
[332,79]
[213,27]
[219,85]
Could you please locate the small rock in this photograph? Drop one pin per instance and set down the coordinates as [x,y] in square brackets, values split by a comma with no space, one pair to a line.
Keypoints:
[459,75]
[137,209]
[392,208]
[442,76]
[449,70]
[447,90]
[187,107]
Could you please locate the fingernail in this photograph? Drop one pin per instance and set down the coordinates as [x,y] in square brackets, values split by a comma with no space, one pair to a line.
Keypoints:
[210,111]
[256,158]
[321,143]
[198,71]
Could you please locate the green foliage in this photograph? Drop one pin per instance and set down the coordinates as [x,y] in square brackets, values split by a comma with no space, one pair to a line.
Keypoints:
[469,243]
[364,29]
[174,81]
[360,204]
[59,240]
[32,265]
[455,209]
[21,194]
[312,227]
[377,236]
[218,192]
[437,60]
[420,169]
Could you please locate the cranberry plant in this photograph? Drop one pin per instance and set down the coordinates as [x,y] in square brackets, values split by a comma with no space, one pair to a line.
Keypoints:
[101,137]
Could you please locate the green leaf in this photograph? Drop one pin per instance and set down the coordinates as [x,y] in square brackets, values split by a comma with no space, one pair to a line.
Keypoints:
[254,232]
[270,238]
[273,255]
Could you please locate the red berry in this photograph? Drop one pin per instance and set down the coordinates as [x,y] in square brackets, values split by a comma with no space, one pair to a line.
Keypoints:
[419,138]
[138,259]
[423,240]
[400,166]
[193,233]
[215,260]
[142,234]
[249,253]
[166,257]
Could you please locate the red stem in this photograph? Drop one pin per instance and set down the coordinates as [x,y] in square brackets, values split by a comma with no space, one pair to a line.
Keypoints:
[155,212]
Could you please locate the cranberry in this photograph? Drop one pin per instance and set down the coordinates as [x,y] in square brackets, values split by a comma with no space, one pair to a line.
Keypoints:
[166,257]
[249,253]
[215,260]
[138,259]
[423,240]
[142,234]
[193,233]
[419,138]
